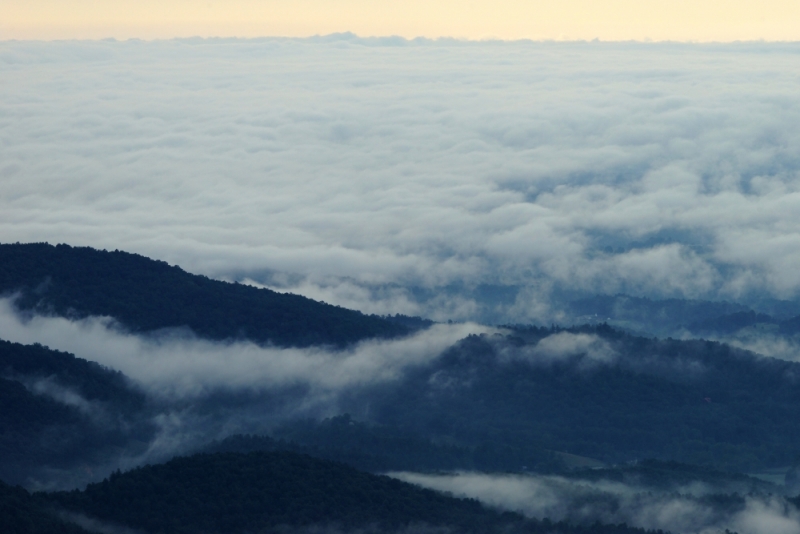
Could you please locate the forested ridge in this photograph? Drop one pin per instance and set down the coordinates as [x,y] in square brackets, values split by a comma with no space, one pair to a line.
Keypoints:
[92,380]
[268,491]
[672,476]
[694,401]
[21,514]
[659,412]
[146,295]
[59,411]
[680,316]
[489,403]
[644,314]
[379,448]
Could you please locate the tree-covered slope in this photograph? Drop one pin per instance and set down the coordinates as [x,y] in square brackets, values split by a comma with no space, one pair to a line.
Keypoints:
[679,316]
[21,514]
[58,411]
[274,491]
[146,295]
[730,324]
[676,477]
[601,393]
[643,314]
[376,448]
[90,380]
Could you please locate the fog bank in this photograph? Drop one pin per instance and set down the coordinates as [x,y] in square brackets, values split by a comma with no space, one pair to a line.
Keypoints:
[177,364]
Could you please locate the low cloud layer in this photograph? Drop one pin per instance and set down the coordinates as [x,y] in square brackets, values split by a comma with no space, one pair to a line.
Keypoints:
[395,176]
[767,342]
[177,364]
[679,510]
[202,390]
[589,348]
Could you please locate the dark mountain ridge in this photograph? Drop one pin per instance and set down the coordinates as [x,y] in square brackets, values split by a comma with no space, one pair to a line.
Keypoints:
[147,295]
[660,317]
[376,448]
[676,317]
[608,395]
[489,403]
[21,514]
[58,411]
[284,491]
[734,323]
[673,476]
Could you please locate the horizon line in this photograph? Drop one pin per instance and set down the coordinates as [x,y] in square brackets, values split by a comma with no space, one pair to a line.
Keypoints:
[397,39]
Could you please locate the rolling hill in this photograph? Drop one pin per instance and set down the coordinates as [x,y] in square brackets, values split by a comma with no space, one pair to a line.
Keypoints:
[61,412]
[601,393]
[146,295]
[285,492]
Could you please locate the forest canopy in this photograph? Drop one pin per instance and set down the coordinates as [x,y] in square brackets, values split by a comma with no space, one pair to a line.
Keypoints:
[146,295]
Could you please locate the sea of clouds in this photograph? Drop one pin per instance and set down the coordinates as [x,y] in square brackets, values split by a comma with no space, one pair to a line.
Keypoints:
[399,176]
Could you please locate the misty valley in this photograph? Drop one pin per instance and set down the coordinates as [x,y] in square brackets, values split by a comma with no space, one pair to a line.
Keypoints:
[137,397]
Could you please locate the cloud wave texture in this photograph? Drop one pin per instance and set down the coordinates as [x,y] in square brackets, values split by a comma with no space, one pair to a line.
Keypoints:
[352,170]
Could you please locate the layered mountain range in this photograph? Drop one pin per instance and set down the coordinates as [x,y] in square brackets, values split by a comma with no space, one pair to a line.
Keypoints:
[516,400]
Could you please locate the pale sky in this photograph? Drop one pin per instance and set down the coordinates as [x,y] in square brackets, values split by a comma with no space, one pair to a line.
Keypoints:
[610,20]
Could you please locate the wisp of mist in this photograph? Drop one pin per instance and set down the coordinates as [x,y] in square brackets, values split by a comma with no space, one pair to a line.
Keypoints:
[678,510]
[178,364]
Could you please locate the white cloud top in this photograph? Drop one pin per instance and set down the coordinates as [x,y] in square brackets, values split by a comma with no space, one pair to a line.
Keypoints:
[352,170]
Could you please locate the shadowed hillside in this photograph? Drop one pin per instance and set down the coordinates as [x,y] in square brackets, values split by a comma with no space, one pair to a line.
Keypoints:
[376,448]
[20,514]
[601,393]
[58,411]
[276,491]
[147,295]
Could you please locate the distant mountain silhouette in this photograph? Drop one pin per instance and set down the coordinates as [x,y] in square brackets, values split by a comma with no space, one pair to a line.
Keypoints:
[731,323]
[643,314]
